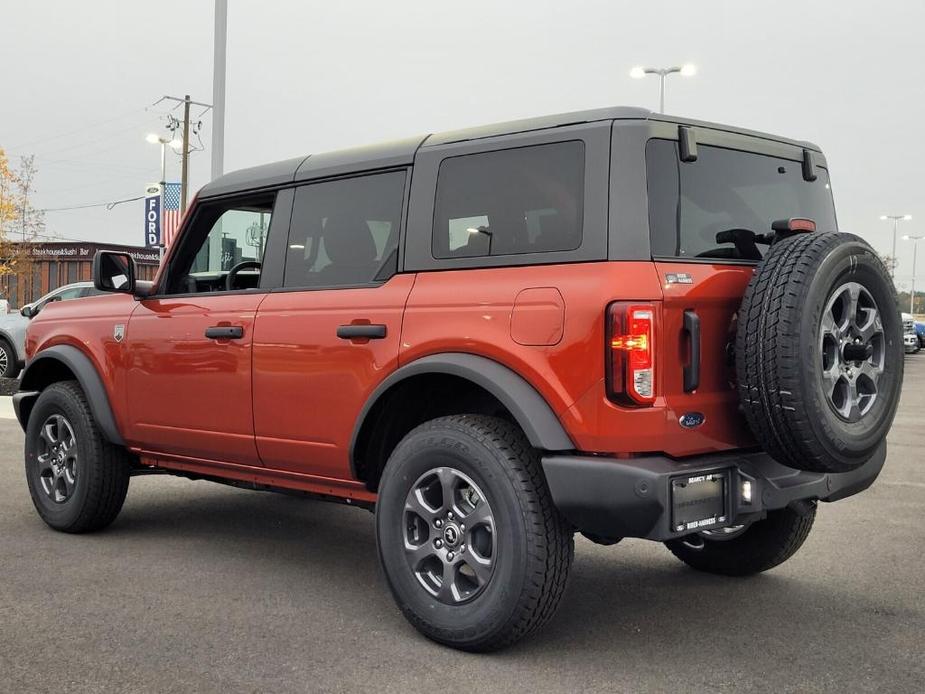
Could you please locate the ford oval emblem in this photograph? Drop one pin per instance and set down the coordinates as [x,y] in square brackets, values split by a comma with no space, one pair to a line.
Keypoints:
[691,420]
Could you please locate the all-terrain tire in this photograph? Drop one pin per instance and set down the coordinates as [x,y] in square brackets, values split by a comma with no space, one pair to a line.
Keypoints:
[99,478]
[534,544]
[784,353]
[763,545]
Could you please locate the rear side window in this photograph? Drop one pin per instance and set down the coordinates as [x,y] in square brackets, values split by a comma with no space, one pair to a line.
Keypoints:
[524,200]
[345,232]
[690,203]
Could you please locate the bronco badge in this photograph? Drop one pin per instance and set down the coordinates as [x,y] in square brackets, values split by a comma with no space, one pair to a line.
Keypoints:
[118,332]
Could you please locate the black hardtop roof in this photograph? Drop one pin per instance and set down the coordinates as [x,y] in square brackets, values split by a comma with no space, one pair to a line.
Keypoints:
[401,152]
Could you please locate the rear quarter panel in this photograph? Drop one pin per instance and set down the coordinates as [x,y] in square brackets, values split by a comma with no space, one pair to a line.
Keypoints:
[472,311]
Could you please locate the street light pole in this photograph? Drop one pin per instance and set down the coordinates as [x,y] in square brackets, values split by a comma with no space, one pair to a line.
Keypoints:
[156,139]
[915,246]
[639,72]
[896,219]
[218,87]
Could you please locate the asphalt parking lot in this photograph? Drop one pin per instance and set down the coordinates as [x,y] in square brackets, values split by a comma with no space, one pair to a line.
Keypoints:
[203,588]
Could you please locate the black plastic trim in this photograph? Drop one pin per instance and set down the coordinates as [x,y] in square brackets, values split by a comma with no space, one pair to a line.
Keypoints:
[631,497]
[88,378]
[531,411]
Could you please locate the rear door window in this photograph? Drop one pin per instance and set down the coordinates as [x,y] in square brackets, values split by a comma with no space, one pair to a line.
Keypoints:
[345,233]
[512,201]
[691,203]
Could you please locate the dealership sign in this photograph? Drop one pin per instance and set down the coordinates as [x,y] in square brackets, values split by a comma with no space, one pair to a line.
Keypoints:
[153,215]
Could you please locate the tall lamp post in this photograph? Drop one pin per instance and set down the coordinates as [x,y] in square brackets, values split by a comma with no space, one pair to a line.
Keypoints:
[639,72]
[896,219]
[915,244]
[164,142]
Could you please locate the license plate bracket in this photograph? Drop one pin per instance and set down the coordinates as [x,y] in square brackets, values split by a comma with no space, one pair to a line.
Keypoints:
[699,501]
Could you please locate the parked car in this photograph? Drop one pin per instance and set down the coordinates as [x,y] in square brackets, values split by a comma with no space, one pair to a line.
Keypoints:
[910,336]
[920,333]
[13,325]
[612,322]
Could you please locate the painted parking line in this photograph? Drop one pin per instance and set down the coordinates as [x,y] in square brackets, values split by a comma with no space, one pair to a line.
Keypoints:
[6,408]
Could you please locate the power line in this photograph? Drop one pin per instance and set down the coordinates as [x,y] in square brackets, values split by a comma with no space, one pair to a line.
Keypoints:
[108,205]
[89,126]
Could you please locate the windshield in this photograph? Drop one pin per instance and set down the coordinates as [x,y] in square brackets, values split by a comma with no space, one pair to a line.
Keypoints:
[715,206]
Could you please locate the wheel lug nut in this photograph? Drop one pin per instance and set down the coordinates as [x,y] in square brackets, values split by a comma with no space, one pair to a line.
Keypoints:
[462,526]
[449,515]
[438,543]
[438,523]
[462,548]
[449,556]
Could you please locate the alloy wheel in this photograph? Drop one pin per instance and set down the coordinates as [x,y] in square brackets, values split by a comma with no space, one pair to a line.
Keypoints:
[449,535]
[852,346]
[57,458]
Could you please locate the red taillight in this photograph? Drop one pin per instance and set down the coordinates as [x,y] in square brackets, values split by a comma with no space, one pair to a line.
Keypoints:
[631,353]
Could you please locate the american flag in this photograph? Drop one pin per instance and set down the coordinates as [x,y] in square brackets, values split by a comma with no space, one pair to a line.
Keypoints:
[170,216]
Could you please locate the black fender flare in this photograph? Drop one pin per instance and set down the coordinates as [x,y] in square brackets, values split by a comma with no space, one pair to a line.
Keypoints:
[531,411]
[87,376]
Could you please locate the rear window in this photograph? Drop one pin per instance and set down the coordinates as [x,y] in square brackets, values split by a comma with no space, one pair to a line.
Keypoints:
[690,203]
[524,200]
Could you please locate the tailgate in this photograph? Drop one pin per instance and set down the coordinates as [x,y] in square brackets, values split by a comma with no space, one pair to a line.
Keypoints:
[702,298]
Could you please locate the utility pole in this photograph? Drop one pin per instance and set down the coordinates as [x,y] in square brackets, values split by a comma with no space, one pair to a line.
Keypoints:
[184,160]
[218,87]
[184,154]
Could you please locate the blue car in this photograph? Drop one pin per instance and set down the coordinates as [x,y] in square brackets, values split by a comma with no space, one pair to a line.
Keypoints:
[920,333]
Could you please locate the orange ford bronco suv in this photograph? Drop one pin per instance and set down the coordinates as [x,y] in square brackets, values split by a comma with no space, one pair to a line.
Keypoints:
[611,322]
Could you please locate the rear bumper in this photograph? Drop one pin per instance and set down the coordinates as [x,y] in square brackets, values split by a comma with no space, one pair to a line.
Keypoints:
[634,497]
[911,342]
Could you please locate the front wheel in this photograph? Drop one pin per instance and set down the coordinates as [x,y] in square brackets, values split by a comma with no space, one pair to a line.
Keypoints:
[473,549]
[747,550]
[77,479]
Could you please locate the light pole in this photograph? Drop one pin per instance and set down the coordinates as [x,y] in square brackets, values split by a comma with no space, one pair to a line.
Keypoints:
[219,40]
[640,72]
[915,245]
[156,139]
[896,219]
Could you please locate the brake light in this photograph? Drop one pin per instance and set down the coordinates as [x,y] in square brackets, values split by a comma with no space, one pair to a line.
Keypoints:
[631,354]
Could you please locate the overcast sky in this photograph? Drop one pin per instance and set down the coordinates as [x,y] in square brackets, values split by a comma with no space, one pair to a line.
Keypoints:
[312,76]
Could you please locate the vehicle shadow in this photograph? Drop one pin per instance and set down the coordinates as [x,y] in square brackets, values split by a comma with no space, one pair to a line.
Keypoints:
[627,608]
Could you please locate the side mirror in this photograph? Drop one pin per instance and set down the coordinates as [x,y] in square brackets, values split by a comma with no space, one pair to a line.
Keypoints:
[114,272]
[26,311]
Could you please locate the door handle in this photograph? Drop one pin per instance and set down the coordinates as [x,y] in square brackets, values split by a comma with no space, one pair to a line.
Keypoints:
[692,370]
[225,332]
[361,331]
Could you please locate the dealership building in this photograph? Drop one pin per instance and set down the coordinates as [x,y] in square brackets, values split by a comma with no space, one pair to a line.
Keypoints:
[53,265]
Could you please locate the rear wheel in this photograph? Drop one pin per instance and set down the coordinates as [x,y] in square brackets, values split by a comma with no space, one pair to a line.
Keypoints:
[746,550]
[473,549]
[8,365]
[77,479]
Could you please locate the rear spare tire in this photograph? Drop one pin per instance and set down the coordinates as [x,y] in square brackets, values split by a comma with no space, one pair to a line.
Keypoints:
[819,352]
